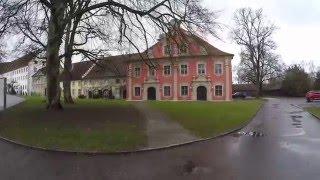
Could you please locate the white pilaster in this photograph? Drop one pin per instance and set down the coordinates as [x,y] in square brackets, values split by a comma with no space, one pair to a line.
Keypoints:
[129,87]
[228,81]
[175,82]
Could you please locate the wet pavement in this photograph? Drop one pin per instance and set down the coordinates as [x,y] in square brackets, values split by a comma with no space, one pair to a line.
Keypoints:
[282,142]
[161,130]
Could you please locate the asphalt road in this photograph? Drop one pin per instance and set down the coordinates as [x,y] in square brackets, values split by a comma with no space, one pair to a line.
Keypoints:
[288,148]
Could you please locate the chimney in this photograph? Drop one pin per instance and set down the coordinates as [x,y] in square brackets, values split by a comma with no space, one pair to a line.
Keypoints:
[175,23]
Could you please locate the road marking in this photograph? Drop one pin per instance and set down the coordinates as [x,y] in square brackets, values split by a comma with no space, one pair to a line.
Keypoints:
[300,132]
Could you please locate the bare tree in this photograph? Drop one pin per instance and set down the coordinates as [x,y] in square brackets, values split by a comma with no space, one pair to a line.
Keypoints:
[131,20]
[253,33]
[32,27]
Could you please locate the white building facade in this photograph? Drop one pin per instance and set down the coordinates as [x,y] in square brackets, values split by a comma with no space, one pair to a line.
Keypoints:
[19,73]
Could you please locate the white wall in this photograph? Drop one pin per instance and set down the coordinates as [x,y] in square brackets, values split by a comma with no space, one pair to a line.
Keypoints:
[23,77]
[20,76]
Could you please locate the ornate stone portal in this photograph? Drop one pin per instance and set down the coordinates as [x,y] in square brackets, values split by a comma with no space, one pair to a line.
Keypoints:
[201,81]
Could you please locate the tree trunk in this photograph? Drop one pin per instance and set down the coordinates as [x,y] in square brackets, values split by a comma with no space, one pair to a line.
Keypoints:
[258,81]
[67,81]
[55,34]
[67,67]
[260,89]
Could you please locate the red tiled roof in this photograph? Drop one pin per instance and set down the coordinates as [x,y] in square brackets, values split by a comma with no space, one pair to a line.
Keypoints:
[112,66]
[78,70]
[184,34]
[243,87]
[211,50]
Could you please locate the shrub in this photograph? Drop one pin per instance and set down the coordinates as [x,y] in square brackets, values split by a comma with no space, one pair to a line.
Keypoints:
[296,82]
[81,96]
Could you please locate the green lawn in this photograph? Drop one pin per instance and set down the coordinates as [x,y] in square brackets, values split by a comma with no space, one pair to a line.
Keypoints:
[314,110]
[90,125]
[207,119]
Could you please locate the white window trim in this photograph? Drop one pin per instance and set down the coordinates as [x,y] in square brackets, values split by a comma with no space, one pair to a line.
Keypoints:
[187,64]
[164,49]
[181,90]
[167,75]
[205,68]
[187,48]
[149,72]
[170,90]
[134,71]
[215,90]
[214,69]
[134,90]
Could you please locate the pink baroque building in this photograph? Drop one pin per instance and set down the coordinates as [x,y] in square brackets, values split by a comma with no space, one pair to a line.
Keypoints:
[184,67]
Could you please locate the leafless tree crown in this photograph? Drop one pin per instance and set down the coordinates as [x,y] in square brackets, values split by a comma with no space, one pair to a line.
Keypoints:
[46,25]
[253,33]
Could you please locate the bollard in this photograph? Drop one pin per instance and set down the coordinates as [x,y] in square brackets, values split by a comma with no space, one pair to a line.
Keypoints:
[4,93]
[3,90]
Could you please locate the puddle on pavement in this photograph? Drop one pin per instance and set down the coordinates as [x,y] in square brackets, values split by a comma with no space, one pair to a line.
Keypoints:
[296,116]
[296,124]
[296,120]
[296,112]
[191,168]
[250,134]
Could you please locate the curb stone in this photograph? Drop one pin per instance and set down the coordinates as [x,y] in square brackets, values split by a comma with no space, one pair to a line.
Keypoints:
[172,146]
[313,115]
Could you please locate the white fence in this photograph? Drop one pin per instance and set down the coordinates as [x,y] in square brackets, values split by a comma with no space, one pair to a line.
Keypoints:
[3,89]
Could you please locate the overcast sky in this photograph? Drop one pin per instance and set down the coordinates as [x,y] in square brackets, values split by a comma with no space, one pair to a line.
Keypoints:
[298,36]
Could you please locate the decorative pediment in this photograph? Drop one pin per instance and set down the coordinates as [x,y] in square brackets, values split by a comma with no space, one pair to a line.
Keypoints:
[201,78]
[151,80]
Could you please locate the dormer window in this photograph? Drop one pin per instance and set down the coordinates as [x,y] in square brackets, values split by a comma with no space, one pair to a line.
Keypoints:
[137,71]
[167,49]
[203,51]
[183,48]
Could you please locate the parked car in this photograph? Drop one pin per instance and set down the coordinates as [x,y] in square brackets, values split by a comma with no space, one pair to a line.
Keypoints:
[312,95]
[239,95]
